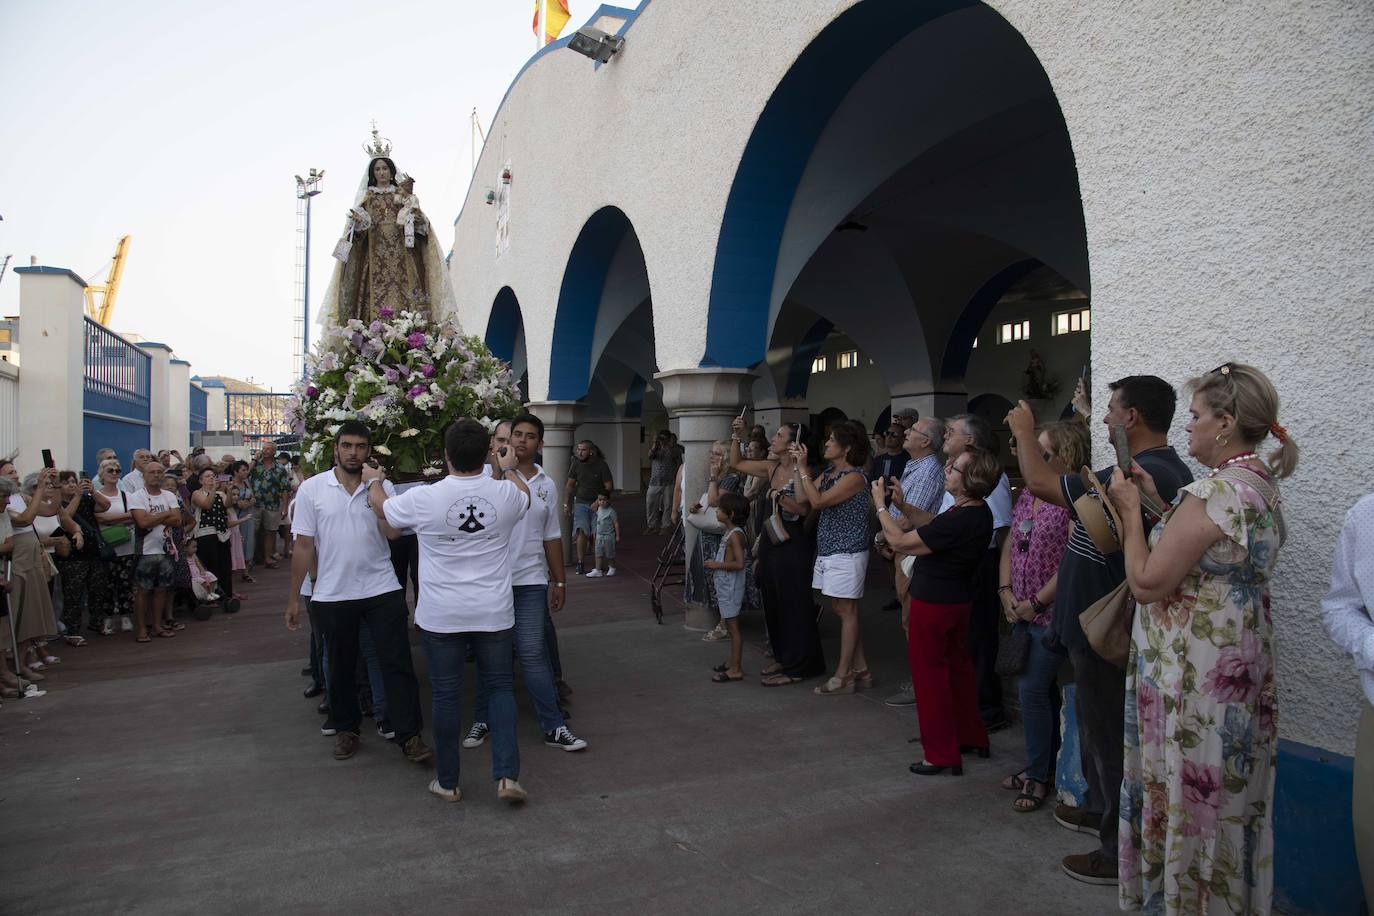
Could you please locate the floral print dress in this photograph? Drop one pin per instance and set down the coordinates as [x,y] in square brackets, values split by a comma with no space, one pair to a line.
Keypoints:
[1196,828]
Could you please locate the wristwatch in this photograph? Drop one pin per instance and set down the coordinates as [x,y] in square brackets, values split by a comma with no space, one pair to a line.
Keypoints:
[559,584]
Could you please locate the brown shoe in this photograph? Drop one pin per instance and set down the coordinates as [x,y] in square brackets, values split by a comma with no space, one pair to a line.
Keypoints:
[510,790]
[1091,868]
[416,750]
[345,745]
[1077,820]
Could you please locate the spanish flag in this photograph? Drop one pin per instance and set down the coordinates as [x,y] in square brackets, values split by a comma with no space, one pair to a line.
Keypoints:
[557,16]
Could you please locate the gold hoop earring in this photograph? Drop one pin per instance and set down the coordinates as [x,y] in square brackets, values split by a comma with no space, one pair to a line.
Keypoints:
[1223,441]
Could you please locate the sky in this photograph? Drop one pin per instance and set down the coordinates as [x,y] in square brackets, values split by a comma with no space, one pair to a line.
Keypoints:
[183,125]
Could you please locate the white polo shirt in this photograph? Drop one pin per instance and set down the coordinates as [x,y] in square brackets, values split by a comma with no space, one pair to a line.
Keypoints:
[353,559]
[540,524]
[131,482]
[465,526]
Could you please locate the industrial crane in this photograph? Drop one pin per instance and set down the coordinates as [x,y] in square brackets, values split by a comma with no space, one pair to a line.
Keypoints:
[110,288]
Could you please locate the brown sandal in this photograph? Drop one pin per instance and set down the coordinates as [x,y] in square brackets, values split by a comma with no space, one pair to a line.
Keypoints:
[1028,795]
[778,679]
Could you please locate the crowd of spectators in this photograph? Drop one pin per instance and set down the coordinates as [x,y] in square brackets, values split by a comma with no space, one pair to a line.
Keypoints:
[128,554]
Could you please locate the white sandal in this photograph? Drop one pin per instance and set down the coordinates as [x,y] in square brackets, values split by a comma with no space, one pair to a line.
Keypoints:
[716,635]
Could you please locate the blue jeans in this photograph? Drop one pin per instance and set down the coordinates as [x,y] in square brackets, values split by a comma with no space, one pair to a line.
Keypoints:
[551,641]
[531,606]
[495,672]
[374,673]
[1039,689]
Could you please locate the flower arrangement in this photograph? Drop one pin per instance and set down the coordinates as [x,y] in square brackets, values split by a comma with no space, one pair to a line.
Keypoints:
[407,376]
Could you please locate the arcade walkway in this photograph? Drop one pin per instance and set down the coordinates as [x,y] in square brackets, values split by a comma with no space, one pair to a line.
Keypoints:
[189,775]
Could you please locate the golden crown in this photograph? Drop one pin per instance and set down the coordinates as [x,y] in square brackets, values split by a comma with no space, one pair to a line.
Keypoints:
[379,147]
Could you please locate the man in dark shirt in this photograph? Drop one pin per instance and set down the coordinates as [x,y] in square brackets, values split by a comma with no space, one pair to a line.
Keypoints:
[891,461]
[1144,405]
[588,477]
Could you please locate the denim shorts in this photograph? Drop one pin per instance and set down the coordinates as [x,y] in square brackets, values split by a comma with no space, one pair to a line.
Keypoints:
[582,518]
[154,570]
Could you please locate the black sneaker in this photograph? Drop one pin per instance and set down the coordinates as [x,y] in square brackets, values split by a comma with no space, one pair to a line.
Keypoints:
[385,730]
[477,735]
[581,569]
[329,729]
[563,739]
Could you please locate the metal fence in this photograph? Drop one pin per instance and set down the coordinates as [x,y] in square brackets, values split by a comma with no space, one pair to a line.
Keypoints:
[117,395]
[199,410]
[9,409]
[258,415]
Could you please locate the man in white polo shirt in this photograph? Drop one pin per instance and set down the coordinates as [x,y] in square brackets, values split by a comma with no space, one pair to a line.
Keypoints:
[536,554]
[340,539]
[465,523]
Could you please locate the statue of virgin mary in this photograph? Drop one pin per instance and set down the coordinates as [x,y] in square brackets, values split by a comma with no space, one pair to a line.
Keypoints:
[388,256]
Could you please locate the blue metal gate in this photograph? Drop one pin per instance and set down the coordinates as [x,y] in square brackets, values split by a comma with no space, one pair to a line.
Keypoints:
[199,410]
[116,398]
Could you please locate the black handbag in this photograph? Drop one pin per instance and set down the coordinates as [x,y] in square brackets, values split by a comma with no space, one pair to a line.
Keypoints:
[1014,650]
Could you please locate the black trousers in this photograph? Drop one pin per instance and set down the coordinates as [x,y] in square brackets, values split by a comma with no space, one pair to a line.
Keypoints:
[405,559]
[1100,704]
[983,622]
[215,557]
[386,617]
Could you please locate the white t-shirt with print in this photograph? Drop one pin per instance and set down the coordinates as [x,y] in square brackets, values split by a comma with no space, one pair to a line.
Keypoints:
[465,526]
[540,524]
[153,537]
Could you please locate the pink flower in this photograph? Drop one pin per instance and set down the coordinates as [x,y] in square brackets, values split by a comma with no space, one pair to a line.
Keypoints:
[427,371]
[416,340]
[386,312]
[1268,725]
[1240,671]
[418,390]
[1202,797]
[1150,710]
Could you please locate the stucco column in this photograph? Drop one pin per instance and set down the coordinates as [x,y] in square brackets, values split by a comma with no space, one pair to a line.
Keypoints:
[704,402]
[560,422]
[772,414]
[52,346]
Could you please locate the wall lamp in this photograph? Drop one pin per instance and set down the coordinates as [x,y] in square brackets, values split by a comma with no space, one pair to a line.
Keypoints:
[596,44]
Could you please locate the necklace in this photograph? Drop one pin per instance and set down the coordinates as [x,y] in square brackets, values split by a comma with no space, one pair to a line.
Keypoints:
[1237,459]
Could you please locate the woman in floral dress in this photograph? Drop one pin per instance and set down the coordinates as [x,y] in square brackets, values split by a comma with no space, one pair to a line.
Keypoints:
[1201,722]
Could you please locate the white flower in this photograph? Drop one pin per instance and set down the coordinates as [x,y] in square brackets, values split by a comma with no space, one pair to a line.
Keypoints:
[407,433]
[433,471]
[381,450]
[333,430]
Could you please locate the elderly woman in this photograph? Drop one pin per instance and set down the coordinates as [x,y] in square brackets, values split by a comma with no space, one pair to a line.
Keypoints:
[842,542]
[946,551]
[117,527]
[1197,799]
[30,599]
[82,572]
[209,504]
[1029,578]
[784,566]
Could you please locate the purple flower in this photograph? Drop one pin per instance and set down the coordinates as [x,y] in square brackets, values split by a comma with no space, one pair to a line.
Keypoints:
[357,340]
[418,390]
[390,374]
[427,371]
[311,391]
[1202,797]
[1150,709]
[386,312]
[374,328]
[1240,671]
[416,340]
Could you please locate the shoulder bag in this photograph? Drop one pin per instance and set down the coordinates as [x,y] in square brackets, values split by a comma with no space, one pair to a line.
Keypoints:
[118,535]
[774,527]
[1107,624]
[1013,650]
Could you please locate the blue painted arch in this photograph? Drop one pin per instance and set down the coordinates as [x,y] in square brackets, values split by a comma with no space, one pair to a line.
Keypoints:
[504,324]
[775,157]
[579,300]
[959,348]
[803,355]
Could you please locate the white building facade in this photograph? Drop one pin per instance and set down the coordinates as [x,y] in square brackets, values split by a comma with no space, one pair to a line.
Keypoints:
[682,227]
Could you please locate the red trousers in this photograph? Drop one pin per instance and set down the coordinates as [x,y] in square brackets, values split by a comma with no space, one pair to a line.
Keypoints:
[942,676]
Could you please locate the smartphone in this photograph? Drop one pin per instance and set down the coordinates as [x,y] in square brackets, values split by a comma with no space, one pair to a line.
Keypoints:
[47,459]
[1123,450]
[1084,374]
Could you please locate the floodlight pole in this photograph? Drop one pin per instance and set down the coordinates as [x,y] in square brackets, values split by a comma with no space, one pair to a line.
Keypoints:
[306,188]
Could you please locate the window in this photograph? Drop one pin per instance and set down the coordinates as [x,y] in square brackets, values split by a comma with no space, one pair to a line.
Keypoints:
[1072,321]
[849,359]
[818,364]
[1013,330]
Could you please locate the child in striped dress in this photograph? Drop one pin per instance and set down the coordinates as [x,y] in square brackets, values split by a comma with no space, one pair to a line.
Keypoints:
[727,569]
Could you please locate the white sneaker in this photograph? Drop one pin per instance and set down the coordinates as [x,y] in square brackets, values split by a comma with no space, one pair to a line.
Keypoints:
[451,795]
[610,571]
[509,790]
[125,624]
[595,574]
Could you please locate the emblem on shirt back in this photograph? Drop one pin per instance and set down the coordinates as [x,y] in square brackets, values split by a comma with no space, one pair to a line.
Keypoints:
[472,514]
[542,493]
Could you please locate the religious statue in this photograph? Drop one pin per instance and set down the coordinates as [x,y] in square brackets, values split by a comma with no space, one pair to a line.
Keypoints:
[388,256]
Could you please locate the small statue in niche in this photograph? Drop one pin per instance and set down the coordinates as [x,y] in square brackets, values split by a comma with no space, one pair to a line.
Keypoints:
[1038,385]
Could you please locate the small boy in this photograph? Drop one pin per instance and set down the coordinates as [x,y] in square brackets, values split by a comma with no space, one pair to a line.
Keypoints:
[607,534]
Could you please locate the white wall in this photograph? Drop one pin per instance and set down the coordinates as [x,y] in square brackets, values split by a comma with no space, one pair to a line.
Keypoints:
[178,406]
[995,368]
[52,337]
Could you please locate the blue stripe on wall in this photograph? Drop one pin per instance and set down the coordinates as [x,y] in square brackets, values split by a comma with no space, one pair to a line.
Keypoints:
[504,325]
[775,157]
[634,399]
[803,355]
[1314,841]
[975,313]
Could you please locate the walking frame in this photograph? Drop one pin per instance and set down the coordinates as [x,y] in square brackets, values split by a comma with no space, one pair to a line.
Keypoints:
[671,570]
